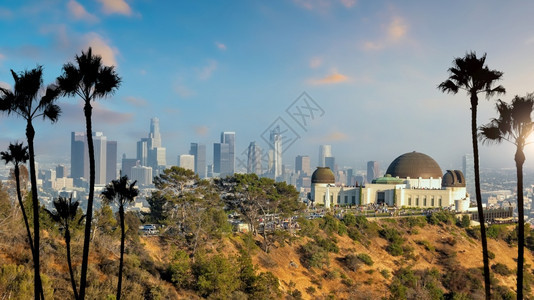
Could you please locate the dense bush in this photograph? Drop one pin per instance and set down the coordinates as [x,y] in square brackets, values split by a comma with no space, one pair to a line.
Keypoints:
[312,255]
[497,232]
[441,217]
[501,269]
[415,221]
[366,259]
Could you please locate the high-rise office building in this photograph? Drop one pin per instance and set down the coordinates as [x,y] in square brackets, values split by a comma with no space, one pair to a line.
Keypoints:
[150,151]
[228,137]
[154,135]
[100,145]
[372,170]
[127,165]
[324,151]
[111,161]
[186,161]
[303,165]
[221,159]
[330,162]
[61,171]
[254,159]
[276,145]
[142,174]
[199,151]
[103,165]
[78,157]
[468,168]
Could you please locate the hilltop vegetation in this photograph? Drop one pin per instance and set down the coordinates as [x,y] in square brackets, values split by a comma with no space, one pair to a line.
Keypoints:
[435,257]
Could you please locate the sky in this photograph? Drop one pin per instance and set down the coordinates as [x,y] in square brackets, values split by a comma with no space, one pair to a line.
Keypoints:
[361,76]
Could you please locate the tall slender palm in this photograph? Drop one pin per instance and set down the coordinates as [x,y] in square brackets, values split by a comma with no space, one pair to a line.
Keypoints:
[514,125]
[89,80]
[123,192]
[18,154]
[64,214]
[469,73]
[29,101]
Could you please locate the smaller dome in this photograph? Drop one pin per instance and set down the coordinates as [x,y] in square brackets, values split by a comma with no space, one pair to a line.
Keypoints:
[453,178]
[323,175]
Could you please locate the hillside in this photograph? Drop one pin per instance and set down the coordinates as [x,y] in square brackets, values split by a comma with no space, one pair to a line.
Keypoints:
[328,259]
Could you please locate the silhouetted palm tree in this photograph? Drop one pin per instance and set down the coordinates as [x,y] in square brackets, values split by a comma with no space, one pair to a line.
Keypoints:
[90,80]
[470,73]
[122,192]
[29,101]
[65,213]
[18,154]
[514,125]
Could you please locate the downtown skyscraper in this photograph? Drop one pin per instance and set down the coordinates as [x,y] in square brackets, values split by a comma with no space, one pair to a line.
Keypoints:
[254,159]
[149,150]
[275,153]
[372,170]
[199,151]
[224,155]
[105,157]
[324,152]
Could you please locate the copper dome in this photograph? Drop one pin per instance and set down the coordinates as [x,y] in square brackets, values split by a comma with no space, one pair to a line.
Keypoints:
[323,175]
[414,165]
[454,178]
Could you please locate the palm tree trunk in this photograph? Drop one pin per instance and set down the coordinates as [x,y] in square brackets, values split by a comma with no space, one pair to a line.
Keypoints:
[21,204]
[30,134]
[89,214]
[25,217]
[119,285]
[480,209]
[67,241]
[519,161]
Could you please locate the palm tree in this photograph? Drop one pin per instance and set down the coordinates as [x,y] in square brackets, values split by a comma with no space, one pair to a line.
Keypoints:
[470,73]
[89,80]
[18,154]
[29,101]
[123,193]
[65,213]
[514,125]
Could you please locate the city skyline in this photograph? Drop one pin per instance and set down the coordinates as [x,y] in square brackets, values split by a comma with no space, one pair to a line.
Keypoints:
[372,68]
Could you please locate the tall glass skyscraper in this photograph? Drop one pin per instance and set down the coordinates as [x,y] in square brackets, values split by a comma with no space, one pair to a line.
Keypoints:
[276,147]
[228,138]
[199,151]
[254,159]
[324,151]
[468,168]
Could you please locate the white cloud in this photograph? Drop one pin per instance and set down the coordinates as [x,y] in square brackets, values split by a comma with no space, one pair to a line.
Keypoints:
[102,48]
[78,12]
[207,71]
[348,3]
[221,46]
[202,130]
[116,7]
[333,78]
[395,32]
[139,102]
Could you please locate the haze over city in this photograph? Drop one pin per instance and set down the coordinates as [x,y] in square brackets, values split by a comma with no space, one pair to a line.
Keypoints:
[204,68]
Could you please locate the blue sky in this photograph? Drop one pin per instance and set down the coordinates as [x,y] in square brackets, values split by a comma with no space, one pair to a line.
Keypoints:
[204,67]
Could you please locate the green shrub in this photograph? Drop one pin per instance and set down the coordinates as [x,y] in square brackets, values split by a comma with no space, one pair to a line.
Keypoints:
[501,269]
[491,255]
[464,222]
[385,273]
[473,232]
[426,244]
[312,255]
[395,249]
[366,259]
[215,276]
[351,262]
[328,244]
[496,231]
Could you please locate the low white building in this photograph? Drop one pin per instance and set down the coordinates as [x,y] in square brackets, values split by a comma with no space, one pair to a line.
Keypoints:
[412,180]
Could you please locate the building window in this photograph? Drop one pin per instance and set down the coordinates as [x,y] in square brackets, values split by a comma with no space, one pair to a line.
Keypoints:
[439,200]
[354,200]
[416,201]
[338,199]
[409,201]
[346,199]
[432,201]
[424,201]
